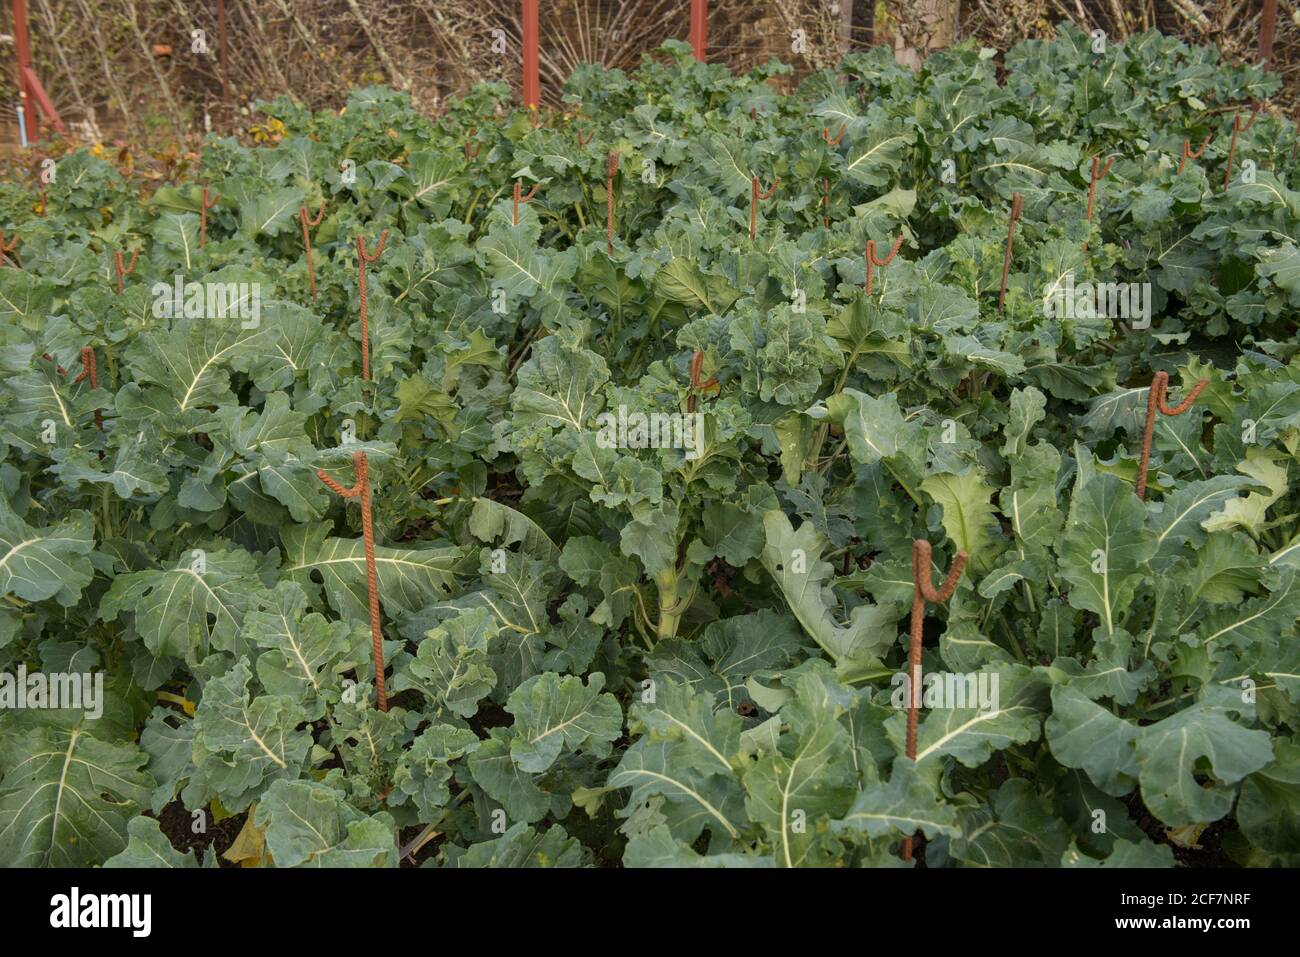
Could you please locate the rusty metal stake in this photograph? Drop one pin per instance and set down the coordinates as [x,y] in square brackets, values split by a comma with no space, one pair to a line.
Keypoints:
[520,198]
[122,270]
[7,249]
[611,170]
[1017,205]
[306,240]
[1238,128]
[361,490]
[697,387]
[1156,402]
[91,372]
[363,258]
[1188,154]
[882,263]
[203,219]
[923,591]
[1098,174]
[756,193]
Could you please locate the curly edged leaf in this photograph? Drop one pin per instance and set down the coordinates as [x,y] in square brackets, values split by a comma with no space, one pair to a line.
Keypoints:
[308,824]
[243,742]
[147,846]
[555,713]
[793,559]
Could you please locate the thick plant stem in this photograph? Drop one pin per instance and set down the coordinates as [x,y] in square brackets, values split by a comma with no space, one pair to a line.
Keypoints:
[672,605]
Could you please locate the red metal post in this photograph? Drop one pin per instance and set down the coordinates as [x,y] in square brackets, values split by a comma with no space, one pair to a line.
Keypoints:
[37,92]
[1266,30]
[223,50]
[23,47]
[700,28]
[34,99]
[532,87]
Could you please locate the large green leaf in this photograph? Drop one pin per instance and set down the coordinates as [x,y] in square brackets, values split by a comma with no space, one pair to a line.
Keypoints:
[308,824]
[409,578]
[40,563]
[1105,549]
[793,559]
[67,797]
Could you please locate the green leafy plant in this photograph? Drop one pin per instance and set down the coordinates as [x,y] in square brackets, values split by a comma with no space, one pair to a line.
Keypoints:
[669,640]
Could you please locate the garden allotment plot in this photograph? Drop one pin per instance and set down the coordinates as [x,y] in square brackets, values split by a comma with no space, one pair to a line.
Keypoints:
[384,568]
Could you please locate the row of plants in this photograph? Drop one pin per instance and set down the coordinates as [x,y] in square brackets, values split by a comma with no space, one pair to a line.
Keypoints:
[855,308]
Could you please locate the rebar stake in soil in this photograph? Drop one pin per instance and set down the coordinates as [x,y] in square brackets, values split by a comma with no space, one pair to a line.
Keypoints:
[306,240]
[1156,402]
[611,170]
[361,490]
[1236,129]
[90,372]
[839,137]
[204,206]
[826,202]
[873,262]
[1017,205]
[1098,174]
[698,387]
[923,591]
[755,194]
[8,248]
[363,258]
[520,198]
[1188,154]
[122,270]
[471,154]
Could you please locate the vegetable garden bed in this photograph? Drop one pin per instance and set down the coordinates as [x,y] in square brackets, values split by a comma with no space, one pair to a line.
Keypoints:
[610,435]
